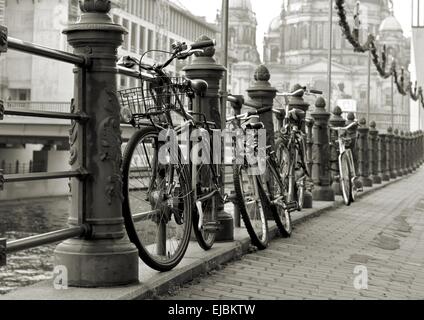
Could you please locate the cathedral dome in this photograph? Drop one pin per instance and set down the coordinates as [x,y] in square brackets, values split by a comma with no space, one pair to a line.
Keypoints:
[275,24]
[240,4]
[390,24]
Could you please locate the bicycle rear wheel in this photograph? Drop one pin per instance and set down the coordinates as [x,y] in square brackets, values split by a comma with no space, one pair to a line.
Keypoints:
[345,178]
[157,201]
[251,199]
[205,222]
[277,192]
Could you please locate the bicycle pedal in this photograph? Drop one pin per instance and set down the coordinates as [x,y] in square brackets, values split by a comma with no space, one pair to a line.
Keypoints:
[291,206]
[211,227]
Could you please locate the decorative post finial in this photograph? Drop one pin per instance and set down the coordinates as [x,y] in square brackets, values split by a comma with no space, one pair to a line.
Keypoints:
[262,73]
[95,6]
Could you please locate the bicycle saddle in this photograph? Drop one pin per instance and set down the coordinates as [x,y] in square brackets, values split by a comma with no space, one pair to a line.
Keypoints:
[199,86]
[296,114]
[255,126]
[279,111]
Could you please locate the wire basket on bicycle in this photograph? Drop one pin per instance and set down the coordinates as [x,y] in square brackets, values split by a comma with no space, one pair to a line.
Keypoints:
[152,99]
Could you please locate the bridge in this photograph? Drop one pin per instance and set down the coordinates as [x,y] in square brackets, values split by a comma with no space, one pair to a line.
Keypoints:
[381,231]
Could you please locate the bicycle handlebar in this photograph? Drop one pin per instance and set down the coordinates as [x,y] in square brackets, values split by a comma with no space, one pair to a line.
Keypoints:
[301,91]
[203,44]
[355,123]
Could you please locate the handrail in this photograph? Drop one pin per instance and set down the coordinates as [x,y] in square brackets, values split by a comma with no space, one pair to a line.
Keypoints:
[45,114]
[46,238]
[9,178]
[45,52]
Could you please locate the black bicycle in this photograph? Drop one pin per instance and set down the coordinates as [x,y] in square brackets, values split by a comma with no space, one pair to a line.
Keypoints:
[165,194]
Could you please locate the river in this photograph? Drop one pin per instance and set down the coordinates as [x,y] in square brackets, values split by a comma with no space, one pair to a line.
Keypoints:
[20,219]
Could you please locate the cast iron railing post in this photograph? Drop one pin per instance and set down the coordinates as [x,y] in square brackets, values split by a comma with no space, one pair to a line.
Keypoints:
[382,157]
[105,257]
[205,67]
[390,154]
[336,121]
[397,149]
[373,153]
[363,154]
[321,154]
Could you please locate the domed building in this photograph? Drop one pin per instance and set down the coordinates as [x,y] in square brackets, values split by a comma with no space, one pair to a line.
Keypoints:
[296,51]
[243,53]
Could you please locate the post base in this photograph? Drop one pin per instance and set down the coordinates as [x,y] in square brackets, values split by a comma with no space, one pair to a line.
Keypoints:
[98,263]
[337,188]
[393,175]
[308,200]
[323,193]
[385,177]
[376,179]
[366,181]
[226,223]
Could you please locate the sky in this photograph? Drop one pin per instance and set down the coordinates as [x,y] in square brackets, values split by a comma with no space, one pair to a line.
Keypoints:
[266,12]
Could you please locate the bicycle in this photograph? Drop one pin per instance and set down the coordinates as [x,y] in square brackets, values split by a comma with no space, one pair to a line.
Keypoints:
[268,186]
[164,192]
[180,195]
[291,148]
[348,178]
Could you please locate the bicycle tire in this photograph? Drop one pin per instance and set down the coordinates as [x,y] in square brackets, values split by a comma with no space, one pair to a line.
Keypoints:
[345,179]
[205,239]
[254,229]
[174,220]
[282,216]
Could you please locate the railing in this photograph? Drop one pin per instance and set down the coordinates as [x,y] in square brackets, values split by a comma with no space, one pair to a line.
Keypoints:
[18,173]
[96,232]
[62,107]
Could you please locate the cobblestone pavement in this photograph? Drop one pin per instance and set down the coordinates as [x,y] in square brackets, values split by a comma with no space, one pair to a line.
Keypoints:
[383,232]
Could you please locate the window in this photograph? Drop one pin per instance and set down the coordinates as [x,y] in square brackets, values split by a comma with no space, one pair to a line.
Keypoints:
[142,36]
[125,24]
[123,82]
[133,37]
[149,42]
[20,94]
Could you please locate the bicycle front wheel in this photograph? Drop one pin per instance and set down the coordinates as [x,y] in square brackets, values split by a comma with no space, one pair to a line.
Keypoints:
[157,201]
[345,178]
[251,199]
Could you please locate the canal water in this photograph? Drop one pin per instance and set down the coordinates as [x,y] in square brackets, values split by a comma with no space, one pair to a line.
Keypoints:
[20,219]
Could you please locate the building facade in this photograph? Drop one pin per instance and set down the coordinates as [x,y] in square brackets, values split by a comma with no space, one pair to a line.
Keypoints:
[151,24]
[242,46]
[296,51]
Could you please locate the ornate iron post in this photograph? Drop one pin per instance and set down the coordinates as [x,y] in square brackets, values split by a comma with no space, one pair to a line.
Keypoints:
[402,154]
[105,257]
[415,150]
[263,94]
[408,152]
[373,153]
[237,216]
[421,147]
[391,154]
[396,142]
[382,157]
[205,67]
[336,121]
[363,154]
[321,154]
[309,142]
